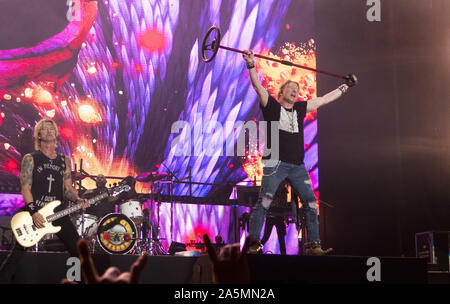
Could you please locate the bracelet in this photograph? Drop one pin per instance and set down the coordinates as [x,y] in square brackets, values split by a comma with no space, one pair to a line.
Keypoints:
[250,65]
[343,88]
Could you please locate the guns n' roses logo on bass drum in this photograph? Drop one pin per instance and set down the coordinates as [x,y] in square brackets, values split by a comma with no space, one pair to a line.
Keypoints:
[116,233]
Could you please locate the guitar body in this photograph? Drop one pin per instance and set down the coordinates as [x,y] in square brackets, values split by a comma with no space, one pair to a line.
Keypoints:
[24,230]
[27,234]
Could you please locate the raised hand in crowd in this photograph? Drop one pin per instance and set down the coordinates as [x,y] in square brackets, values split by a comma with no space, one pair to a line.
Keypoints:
[230,266]
[112,275]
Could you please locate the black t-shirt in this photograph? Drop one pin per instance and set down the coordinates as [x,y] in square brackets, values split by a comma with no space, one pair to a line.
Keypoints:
[291,149]
[48,177]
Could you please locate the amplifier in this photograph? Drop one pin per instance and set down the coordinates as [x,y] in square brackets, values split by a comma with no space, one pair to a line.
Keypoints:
[434,246]
[6,235]
[247,195]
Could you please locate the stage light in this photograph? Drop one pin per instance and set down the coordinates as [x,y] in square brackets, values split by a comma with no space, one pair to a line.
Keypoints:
[88,114]
[50,113]
[66,133]
[43,96]
[92,70]
[28,93]
[12,166]
[153,40]
[7,97]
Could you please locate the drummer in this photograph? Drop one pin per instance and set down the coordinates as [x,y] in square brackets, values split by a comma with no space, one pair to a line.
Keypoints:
[103,207]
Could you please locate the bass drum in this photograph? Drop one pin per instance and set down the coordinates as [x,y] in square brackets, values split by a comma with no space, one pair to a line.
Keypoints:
[133,210]
[116,233]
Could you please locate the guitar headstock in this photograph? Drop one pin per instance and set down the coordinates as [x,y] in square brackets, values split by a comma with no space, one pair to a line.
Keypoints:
[119,189]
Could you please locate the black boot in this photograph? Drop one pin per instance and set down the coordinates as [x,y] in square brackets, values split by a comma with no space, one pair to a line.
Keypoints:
[314,248]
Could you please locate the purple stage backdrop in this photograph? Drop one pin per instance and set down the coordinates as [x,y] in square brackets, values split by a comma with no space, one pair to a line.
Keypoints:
[116,75]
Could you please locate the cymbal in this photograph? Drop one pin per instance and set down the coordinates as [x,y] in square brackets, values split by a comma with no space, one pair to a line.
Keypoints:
[78,176]
[151,176]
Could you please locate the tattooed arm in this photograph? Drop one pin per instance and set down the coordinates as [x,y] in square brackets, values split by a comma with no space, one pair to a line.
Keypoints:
[69,192]
[26,181]
[26,178]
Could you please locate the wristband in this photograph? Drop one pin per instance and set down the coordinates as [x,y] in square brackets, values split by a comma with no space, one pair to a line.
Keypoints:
[31,208]
[250,65]
[343,88]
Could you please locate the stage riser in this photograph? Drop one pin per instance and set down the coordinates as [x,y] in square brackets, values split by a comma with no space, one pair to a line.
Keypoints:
[267,269]
[264,269]
[49,268]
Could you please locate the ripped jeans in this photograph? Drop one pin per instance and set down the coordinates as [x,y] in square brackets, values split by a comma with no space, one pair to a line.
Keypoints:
[301,182]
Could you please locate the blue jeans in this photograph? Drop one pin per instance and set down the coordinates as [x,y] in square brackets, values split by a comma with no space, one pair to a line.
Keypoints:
[301,182]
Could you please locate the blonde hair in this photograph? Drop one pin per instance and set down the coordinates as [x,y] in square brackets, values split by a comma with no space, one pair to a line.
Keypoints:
[37,130]
[284,85]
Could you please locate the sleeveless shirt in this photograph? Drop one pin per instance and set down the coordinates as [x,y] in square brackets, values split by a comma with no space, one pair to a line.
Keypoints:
[48,175]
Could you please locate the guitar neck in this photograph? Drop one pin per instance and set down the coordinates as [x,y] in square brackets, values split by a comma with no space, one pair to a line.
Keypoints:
[75,208]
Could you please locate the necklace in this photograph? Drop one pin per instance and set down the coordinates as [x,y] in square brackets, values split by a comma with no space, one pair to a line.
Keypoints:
[291,118]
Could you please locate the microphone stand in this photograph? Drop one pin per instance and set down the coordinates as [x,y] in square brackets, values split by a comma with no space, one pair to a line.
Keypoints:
[170,190]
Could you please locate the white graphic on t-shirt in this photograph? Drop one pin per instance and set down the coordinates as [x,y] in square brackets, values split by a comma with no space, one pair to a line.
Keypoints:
[50,179]
[288,121]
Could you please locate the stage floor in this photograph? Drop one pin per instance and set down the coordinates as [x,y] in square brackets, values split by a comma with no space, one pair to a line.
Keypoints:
[52,267]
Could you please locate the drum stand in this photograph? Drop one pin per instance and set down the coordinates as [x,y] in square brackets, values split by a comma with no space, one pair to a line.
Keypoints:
[151,245]
[83,235]
[154,246]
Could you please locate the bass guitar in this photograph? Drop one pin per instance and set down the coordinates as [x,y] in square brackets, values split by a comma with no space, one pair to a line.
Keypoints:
[27,234]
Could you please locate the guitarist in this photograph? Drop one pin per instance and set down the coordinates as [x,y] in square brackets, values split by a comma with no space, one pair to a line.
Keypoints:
[45,176]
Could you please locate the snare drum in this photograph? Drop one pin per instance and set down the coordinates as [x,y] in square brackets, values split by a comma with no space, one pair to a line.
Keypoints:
[89,228]
[133,210]
[116,233]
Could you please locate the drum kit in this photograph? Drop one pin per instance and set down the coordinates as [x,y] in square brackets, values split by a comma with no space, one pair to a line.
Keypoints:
[129,230]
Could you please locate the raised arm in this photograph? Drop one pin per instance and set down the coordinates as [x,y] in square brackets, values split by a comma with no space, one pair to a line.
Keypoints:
[260,90]
[316,103]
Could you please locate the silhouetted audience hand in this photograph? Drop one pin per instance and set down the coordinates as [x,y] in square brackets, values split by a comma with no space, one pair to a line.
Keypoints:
[112,275]
[230,266]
